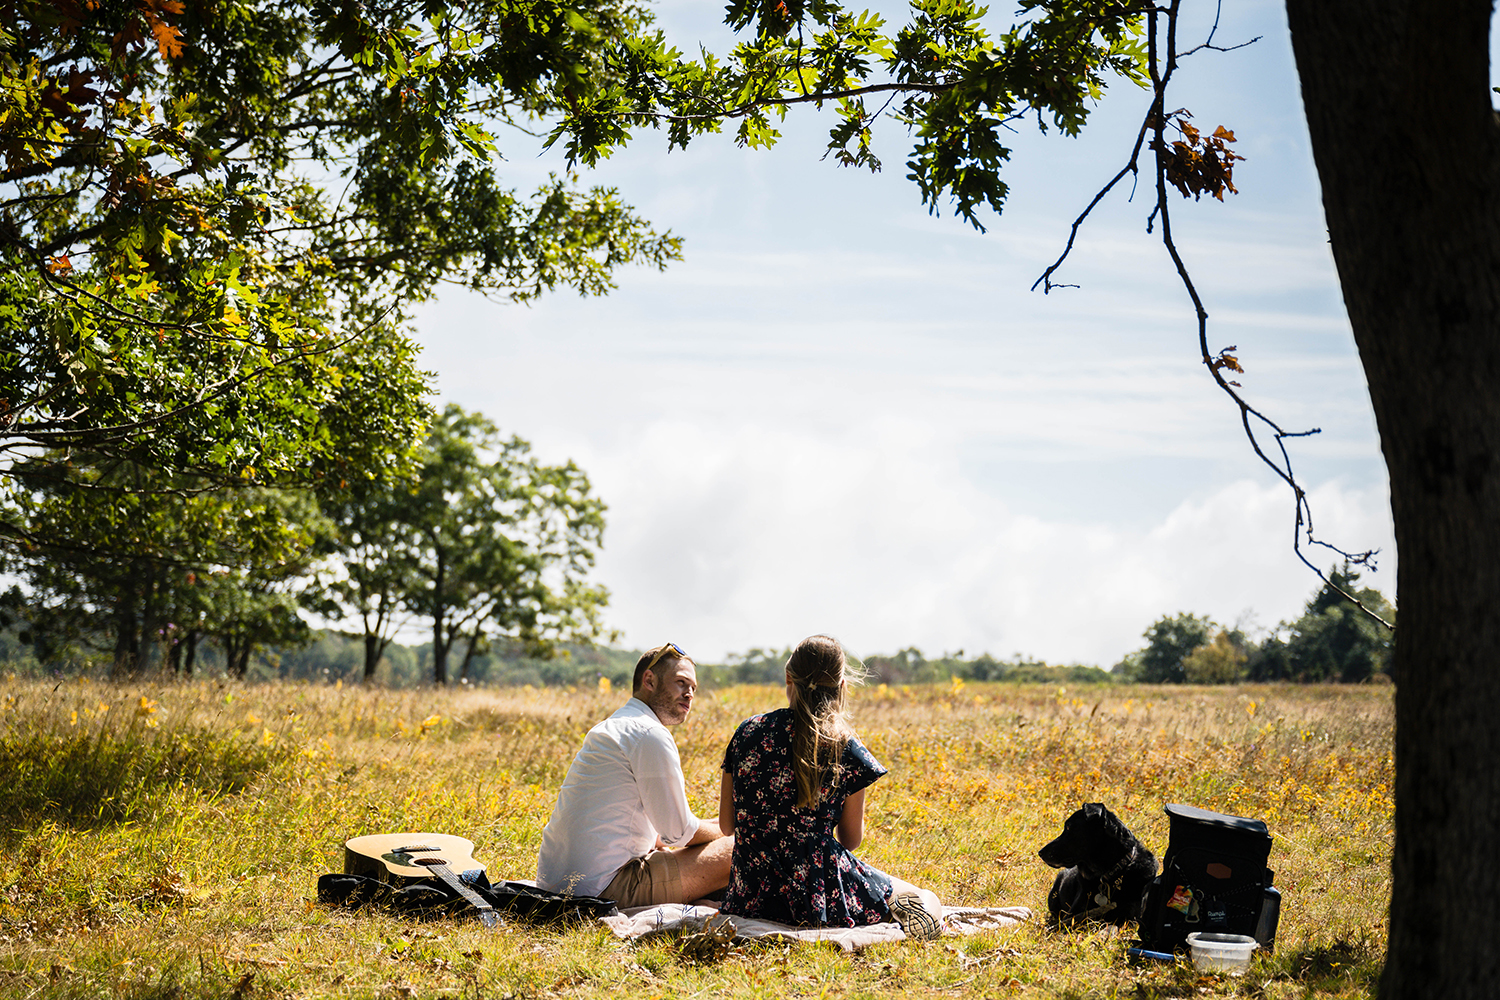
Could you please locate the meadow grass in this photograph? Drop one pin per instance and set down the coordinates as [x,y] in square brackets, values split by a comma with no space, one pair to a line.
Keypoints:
[164,840]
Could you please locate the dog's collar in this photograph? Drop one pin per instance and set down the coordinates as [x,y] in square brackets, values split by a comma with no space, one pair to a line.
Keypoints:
[1124,863]
[1103,899]
[1120,866]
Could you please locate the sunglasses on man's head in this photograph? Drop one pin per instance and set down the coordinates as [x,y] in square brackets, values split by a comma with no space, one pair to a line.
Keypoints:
[669,647]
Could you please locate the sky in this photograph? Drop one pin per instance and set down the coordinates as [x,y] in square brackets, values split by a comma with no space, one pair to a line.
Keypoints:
[842,414]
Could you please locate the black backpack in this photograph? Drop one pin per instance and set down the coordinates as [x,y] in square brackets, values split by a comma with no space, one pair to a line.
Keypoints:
[1214,879]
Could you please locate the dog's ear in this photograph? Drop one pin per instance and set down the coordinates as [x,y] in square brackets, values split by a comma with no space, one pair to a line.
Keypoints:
[1118,828]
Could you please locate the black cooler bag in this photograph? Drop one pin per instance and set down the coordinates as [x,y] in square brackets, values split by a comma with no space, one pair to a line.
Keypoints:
[1214,879]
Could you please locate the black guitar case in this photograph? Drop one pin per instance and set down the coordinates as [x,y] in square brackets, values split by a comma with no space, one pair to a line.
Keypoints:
[434,898]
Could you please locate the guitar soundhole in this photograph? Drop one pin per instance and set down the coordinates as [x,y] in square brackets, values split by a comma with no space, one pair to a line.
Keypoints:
[428,861]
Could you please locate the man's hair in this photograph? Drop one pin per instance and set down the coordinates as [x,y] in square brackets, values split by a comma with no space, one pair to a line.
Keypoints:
[668,659]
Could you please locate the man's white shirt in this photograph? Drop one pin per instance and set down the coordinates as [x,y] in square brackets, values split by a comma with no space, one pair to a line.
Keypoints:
[623,790]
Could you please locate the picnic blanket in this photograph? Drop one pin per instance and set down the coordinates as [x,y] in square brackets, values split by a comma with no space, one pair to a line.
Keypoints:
[642,921]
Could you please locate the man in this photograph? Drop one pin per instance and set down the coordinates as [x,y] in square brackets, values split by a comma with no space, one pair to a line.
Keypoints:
[623,801]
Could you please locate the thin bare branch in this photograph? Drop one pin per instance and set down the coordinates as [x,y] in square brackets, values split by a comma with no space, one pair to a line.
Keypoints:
[1219,48]
[1131,167]
[1249,415]
[1163,59]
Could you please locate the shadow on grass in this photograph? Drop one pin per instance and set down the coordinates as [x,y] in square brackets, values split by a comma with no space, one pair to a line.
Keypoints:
[1339,965]
[90,779]
[1343,968]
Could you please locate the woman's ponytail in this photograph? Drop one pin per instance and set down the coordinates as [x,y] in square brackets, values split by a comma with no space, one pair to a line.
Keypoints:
[819,731]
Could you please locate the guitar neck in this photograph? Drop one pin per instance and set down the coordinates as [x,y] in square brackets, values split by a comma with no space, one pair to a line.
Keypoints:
[487,915]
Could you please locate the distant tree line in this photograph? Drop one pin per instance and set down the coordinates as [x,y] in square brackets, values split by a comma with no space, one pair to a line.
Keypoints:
[908,666]
[141,571]
[1333,641]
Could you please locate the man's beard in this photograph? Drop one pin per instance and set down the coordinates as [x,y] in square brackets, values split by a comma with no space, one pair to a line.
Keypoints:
[664,704]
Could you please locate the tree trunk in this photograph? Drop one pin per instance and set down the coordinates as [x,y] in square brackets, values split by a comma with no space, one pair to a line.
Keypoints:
[373,649]
[1399,110]
[439,616]
[192,652]
[237,656]
[463,671]
[127,633]
[150,620]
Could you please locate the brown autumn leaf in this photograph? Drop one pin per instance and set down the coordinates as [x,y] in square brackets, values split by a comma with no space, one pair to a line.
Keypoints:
[168,39]
[1196,165]
[1226,360]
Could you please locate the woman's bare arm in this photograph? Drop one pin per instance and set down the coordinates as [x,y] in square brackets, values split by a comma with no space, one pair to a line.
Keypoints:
[852,821]
[726,804]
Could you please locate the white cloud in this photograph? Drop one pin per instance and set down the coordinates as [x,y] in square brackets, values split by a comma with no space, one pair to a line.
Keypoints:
[759,537]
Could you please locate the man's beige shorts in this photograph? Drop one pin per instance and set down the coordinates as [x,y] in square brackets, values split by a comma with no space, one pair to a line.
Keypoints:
[648,881]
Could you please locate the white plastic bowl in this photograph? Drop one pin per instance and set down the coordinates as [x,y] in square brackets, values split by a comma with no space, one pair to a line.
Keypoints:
[1221,952]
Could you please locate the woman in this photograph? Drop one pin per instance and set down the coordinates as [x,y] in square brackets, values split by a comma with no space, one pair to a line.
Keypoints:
[793,795]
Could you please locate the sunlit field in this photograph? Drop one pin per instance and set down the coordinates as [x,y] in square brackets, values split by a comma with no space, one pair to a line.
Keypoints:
[164,840]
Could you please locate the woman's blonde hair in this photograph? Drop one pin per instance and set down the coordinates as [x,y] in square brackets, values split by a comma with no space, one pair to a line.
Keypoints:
[819,675]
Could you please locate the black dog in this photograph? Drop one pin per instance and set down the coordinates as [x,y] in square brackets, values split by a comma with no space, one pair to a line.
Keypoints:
[1105,869]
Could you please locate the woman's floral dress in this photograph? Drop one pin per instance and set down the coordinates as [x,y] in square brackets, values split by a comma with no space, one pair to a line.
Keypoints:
[788,866]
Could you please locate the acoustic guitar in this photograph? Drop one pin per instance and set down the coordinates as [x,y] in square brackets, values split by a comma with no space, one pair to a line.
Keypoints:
[403,858]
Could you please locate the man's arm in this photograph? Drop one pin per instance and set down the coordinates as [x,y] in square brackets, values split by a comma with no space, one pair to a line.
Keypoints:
[658,776]
[708,829]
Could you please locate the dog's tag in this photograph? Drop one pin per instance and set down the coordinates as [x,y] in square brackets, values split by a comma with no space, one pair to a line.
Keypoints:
[1101,898]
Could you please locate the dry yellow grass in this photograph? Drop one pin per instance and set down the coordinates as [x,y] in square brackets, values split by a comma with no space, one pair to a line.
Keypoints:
[194,875]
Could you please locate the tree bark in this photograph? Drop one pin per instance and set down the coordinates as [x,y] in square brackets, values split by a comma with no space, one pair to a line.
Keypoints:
[463,672]
[127,659]
[440,640]
[150,641]
[237,656]
[373,649]
[1405,138]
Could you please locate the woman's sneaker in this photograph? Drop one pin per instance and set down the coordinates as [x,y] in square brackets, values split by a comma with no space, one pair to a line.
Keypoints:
[914,917]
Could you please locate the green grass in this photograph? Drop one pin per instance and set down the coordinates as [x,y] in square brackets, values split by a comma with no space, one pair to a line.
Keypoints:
[165,840]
